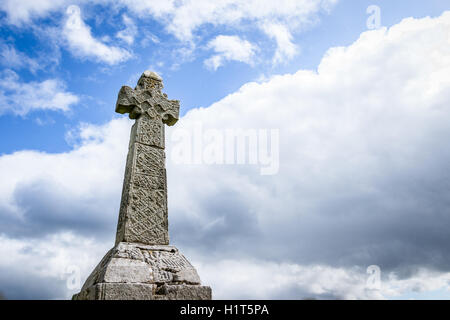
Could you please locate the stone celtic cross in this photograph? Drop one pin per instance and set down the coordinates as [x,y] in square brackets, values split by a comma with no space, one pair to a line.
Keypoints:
[143,209]
[142,265]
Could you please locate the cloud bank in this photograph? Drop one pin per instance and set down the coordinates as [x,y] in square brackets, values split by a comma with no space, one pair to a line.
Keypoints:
[82,44]
[180,19]
[20,98]
[229,48]
[363,180]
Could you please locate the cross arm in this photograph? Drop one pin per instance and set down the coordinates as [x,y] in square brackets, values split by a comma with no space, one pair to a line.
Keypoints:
[171,112]
[127,103]
[148,98]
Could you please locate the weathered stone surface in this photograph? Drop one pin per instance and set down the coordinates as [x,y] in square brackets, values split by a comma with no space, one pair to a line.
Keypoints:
[136,291]
[183,292]
[142,265]
[118,291]
[127,271]
[164,267]
[143,210]
[187,276]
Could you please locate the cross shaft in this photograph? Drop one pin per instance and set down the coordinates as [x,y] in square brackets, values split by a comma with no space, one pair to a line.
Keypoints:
[143,216]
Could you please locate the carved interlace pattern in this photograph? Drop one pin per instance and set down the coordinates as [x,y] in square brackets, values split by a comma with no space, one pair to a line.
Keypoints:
[143,210]
[145,200]
[151,132]
[164,264]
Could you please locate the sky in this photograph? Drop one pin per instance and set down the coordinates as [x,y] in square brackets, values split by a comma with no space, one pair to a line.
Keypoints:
[356,95]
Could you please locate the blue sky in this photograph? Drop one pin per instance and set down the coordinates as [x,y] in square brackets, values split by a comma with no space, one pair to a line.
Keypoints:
[63,63]
[95,82]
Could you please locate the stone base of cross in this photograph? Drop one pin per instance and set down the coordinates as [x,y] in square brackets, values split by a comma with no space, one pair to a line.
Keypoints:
[142,265]
[132,271]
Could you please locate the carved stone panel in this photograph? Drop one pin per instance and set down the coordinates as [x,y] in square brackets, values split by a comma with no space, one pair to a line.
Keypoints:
[149,131]
[143,213]
[149,160]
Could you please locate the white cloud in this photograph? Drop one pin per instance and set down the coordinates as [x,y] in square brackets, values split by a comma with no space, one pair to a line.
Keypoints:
[92,166]
[149,37]
[20,12]
[228,48]
[286,50]
[180,18]
[269,280]
[11,58]
[51,259]
[184,17]
[22,97]
[278,19]
[91,173]
[363,177]
[83,45]
[129,33]
[363,151]
[259,279]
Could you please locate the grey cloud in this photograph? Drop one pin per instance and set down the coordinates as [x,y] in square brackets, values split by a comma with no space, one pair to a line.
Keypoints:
[395,217]
[20,284]
[231,222]
[48,209]
[367,185]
